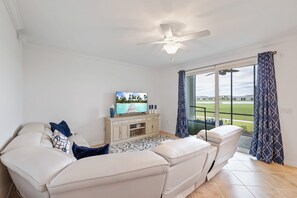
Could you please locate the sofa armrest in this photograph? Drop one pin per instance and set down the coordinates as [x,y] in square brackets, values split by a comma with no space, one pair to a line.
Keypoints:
[180,150]
[107,169]
[37,165]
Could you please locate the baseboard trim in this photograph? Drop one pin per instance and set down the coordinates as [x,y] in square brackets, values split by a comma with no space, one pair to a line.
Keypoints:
[96,143]
[168,133]
[290,163]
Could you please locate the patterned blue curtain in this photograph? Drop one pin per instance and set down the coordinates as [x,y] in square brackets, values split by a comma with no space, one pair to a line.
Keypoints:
[266,142]
[182,120]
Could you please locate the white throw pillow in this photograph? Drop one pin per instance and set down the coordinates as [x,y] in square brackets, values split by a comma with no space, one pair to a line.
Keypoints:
[60,141]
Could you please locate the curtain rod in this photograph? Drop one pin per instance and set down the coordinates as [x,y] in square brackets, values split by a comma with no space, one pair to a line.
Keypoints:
[274,52]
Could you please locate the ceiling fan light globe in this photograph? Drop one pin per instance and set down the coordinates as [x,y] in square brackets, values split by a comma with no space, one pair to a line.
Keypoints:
[171,48]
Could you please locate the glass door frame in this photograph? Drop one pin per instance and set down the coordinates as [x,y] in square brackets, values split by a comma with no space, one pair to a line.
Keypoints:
[215,69]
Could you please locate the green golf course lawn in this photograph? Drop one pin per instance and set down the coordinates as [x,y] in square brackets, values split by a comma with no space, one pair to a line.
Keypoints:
[245,121]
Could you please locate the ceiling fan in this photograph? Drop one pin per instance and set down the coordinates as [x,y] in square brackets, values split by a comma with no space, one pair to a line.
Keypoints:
[224,72]
[172,42]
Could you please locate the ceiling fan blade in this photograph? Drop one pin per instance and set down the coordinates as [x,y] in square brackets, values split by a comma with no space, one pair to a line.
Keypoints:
[223,72]
[194,35]
[166,29]
[151,42]
[229,70]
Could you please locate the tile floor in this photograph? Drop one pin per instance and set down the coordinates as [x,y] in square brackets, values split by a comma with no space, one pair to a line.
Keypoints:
[245,177]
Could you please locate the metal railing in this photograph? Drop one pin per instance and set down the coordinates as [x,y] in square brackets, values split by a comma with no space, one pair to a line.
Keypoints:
[204,111]
[207,123]
[226,113]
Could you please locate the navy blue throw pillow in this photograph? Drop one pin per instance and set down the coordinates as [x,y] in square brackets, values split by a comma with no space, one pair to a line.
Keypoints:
[62,127]
[82,151]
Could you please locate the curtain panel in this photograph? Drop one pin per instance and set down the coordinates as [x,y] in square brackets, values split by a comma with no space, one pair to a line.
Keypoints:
[182,120]
[266,142]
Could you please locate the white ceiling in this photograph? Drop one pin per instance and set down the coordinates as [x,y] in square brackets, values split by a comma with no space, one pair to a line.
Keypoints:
[111,28]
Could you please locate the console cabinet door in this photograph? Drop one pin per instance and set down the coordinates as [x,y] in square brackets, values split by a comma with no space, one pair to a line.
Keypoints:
[119,129]
[125,132]
[149,126]
[155,125]
[116,132]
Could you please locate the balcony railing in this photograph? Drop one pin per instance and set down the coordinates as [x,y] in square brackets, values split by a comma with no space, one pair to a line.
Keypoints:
[208,122]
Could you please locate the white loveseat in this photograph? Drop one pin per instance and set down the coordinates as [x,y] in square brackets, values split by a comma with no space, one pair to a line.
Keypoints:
[173,169]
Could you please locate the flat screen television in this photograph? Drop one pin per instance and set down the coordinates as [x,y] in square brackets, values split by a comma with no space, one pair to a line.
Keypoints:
[130,102]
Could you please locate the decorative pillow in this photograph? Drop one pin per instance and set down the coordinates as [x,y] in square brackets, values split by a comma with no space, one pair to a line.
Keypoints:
[62,127]
[60,141]
[82,151]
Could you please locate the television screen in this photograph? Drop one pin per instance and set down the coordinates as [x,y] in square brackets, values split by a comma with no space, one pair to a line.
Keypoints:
[129,102]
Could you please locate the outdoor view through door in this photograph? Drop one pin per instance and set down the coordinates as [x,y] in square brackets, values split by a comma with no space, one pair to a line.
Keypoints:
[232,94]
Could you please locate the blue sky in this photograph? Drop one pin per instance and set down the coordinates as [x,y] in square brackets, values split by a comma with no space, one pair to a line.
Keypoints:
[242,83]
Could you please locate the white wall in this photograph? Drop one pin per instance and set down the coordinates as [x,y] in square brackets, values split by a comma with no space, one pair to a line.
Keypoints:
[286,72]
[79,89]
[10,89]
[10,78]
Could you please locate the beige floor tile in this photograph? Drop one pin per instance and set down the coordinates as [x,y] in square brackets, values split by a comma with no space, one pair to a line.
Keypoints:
[263,192]
[260,166]
[289,193]
[255,165]
[262,180]
[280,180]
[242,156]
[233,159]
[226,178]
[236,192]
[285,169]
[276,168]
[237,166]
[292,179]
[251,178]
[207,190]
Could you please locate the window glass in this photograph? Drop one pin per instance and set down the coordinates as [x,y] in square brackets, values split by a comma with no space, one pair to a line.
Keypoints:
[235,88]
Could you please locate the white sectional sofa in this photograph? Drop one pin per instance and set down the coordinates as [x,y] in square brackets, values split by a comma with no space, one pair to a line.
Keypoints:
[189,163]
[173,169]
[225,139]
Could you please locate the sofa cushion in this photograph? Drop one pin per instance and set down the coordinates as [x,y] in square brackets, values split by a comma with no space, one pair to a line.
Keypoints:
[181,149]
[60,141]
[28,139]
[80,152]
[38,165]
[107,169]
[220,134]
[46,141]
[36,127]
[62,127]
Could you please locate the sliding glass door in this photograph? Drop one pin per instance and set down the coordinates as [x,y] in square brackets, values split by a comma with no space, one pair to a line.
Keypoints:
[202,102]
[230,91]
[236,100]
